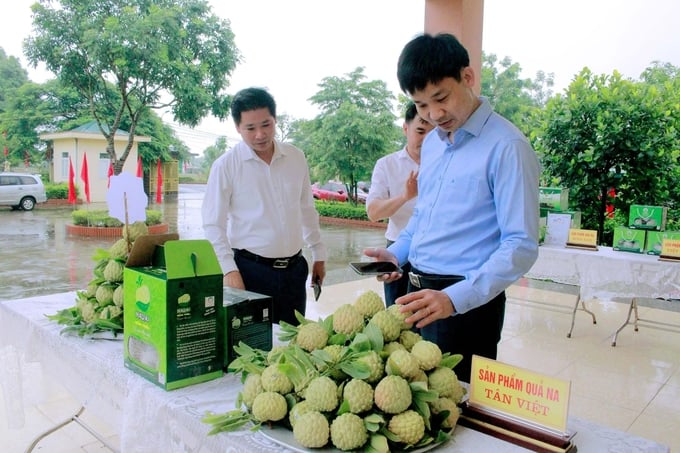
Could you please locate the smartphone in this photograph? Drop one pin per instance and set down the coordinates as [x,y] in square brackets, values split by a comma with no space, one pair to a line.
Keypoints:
[317,289]
[375,267]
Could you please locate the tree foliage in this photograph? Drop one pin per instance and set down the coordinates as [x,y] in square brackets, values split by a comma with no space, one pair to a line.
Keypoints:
[511,96]
[130,56]
[212,152]
[354,128]
[608,132]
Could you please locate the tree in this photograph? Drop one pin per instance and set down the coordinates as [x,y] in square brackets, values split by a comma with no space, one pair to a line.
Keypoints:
[608,132]
[285,127]
[12,76]
[130,56]
[355,127]
[511,96]
[212,152]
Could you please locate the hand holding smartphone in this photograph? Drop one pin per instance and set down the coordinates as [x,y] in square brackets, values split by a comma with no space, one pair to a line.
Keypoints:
[317,289]
[375,267]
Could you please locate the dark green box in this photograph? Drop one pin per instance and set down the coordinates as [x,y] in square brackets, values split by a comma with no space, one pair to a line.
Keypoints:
[655,240]
[628,239]
[247,318]
[554,198]
[642,217]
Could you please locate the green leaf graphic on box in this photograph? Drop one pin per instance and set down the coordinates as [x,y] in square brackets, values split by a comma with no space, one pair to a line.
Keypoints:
[184,299]
[143,296]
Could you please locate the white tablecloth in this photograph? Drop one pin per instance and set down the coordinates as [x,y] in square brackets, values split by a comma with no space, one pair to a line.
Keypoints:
[607,274]
[150,419]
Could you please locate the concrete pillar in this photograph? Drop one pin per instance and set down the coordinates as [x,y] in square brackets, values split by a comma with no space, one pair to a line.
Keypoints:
[464,19]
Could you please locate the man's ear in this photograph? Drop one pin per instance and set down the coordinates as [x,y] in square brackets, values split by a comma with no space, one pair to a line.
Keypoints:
[468,76]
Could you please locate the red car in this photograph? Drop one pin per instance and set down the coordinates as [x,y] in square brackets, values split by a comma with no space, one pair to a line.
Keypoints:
[332,191]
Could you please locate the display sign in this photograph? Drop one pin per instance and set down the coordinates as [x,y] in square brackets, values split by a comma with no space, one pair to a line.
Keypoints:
[519,393]
[670,249]
[586,239]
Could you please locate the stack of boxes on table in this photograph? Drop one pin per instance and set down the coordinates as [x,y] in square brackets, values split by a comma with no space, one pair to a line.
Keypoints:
[645,231]
[180,322]
[555,216]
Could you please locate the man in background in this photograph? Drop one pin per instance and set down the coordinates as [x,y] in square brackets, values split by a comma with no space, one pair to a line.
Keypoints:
[394,188]
[258,210]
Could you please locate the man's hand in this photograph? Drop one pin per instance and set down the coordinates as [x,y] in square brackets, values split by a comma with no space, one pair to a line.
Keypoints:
[411,189]
[427,306]
[381,254]
[233,279]
[318,272]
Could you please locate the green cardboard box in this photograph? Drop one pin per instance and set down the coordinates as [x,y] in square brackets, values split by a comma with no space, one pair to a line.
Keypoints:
[247,318]
[554,198]
[647,217]
[173,332]
[628,239]
[655,240]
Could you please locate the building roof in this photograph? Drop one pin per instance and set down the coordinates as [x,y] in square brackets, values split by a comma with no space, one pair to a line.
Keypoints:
[88,131]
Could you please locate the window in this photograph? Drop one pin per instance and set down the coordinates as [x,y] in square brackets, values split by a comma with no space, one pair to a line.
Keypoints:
[64,166]
[28,180]
[104,162]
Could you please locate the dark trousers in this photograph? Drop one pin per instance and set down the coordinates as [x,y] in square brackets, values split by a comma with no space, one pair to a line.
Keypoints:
[476,332]
[397,288]
[285,286]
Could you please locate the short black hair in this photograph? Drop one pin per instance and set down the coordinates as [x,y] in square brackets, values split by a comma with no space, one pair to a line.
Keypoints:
[251,99]
[429,59]
[410,112]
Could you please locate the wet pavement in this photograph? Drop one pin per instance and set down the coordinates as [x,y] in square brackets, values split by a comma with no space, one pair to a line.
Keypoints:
[38,257]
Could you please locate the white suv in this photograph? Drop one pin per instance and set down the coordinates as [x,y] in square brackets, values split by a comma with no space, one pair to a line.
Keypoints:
[21,190]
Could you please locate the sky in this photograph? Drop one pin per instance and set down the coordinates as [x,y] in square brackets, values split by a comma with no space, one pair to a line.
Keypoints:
[289,46]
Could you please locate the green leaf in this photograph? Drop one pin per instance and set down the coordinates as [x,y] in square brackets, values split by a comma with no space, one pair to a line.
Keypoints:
[337,339]
[450,360]
[355,369]
[378,444]
[343,408]
[374,336]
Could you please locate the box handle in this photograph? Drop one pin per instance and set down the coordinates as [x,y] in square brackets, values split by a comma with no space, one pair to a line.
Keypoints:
[194,258]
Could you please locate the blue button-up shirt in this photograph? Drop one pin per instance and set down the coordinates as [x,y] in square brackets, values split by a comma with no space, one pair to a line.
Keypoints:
[477,209]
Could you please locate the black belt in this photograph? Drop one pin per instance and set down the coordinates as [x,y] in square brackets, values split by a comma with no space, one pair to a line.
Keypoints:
[276,263]
[432,281]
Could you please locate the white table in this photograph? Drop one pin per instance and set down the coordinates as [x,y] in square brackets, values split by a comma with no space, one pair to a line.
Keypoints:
[609,274]
[150,419]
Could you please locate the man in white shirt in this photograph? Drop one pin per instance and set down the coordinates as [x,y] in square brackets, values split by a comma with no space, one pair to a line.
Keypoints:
[394,188]
[258,210]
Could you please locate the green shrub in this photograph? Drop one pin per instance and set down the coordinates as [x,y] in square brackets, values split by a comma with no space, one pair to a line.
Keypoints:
[101,218]
[341,210]
[57,191]
[193,178]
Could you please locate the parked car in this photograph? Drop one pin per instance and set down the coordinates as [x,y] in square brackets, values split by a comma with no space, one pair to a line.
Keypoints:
[334,191]
[21,190]
[362,191]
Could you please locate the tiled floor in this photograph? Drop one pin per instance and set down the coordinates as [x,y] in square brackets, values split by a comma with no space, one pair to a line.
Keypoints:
[633,387]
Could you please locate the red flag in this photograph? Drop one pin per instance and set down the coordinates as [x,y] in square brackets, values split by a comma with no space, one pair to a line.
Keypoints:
[140,170]
[71,183]
[109,174]
[159,183]
[86,178]
[4,135]
[6,151]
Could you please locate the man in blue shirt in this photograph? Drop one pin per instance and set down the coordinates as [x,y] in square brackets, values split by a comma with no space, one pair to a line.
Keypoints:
[474,229]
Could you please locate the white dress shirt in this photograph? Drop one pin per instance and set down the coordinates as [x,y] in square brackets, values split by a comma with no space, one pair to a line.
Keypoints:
[267,209]
[389,180]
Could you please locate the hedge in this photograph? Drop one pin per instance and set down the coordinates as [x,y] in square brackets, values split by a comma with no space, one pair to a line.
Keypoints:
[100,217]
[341,210]
[57,191]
